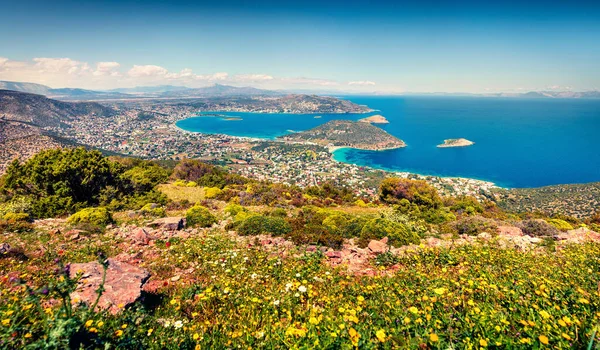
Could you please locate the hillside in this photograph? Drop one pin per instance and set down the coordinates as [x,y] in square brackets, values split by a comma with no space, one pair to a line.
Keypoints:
[44,112]
[578,200]
[100,253]
[345,133]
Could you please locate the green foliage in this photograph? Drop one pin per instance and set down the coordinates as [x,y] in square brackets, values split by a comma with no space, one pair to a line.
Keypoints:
[153,209]
[199,216]
[59,182]
[474,225]
[233,209]
[465,205]
[143,178]
[260,224]
[16,217]
[205,174]
[95,216]
[538,228]
[386,259]
[211,192]
[397,233]
[394,190]
[560,224]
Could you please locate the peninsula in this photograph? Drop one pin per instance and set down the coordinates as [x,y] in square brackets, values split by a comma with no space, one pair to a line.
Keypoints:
[345,133]
[375,119]
[456,143]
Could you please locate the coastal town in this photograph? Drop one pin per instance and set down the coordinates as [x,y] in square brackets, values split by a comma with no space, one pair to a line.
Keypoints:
[151,133]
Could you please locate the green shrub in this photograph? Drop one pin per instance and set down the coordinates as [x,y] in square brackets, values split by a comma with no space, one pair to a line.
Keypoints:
[16,217]
[233,209]
[199,216]
[394,190]
[560,224]
[538,228]
[96,216]
[153,209]
[397,233]
[259,224]
[474,225]
[211,192]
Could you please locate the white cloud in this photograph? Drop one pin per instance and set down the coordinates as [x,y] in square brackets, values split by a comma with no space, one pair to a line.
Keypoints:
[362,83]
[107,68]
[147,71]
[67,72]
[253,77]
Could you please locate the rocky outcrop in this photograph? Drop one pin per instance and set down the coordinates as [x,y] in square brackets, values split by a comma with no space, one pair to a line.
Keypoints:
[122,287]
[169,223]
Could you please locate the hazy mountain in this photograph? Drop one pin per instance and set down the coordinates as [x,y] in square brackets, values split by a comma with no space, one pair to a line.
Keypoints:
[42,111]
[219,90]
[150,89]
[24,87]
[82,94]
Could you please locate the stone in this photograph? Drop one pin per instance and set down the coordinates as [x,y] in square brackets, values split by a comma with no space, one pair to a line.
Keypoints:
[579,235]
[378,247]
[484,235]
[509,231]
[169,223]
[140,236]
[4,248]
[333,254]
[122,287]
[175,278]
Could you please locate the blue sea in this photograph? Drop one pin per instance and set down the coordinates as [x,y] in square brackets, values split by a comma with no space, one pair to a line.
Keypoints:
[518,142]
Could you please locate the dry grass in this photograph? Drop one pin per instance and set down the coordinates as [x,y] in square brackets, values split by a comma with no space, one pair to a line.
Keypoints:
[179,193]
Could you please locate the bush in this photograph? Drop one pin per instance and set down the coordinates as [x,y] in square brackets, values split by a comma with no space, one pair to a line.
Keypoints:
[560,224]
[199,216]
[16,216]
[394,190]
[233,209]
[259,224]
[397,233]
[94,216]
[474,225]
[153,209]
[211,192]
[538,228]
[145,177]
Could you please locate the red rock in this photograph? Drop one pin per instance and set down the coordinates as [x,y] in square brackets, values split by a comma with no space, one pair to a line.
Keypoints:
[170,223]
[122,287]
[140,236]
[334,254]
[378,247]
[509,231]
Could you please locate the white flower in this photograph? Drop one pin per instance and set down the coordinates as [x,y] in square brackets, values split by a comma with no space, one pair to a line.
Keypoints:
[288,286]
[298,275]
[302,289]
[297,295]
[178,324]
[276,302]
[253,276]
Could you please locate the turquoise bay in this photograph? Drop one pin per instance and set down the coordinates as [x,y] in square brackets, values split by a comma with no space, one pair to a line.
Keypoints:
[518,142]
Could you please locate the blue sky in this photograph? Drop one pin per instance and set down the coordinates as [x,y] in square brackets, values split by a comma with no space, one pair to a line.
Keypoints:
[371,46]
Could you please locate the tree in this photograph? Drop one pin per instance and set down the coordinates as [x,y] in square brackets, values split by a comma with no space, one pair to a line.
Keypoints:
[394,190]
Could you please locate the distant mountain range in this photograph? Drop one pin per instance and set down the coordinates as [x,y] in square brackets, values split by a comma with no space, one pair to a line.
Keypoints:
[38,110]
[218,90]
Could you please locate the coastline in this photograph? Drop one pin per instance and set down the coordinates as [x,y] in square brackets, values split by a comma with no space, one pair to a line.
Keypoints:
[333,149]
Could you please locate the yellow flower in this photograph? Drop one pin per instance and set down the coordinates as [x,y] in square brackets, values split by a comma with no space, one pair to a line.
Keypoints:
[28,335]
[413,309]
[313,320]
[6,322]
[483,343]
[439,291]
[124,326]
[544,314]
[89,323]
[543,339]
[119,333]
[99,323]
[195,336]
[433,337]
[150,331]
[93,330]
[380,334]
[354,336]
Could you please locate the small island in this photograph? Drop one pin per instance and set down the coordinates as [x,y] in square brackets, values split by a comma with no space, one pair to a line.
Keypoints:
[375,119]
[456,143]
[232,118]
[318,117]
[345,133]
